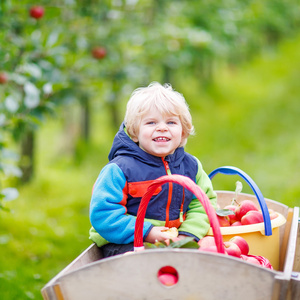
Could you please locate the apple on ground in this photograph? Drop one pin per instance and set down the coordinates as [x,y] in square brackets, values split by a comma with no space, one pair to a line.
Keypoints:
[242,244]
[223,221]
[207,241]
[232,249]
[232,218]
[36,12]
[244,207]
[252,217]
[3,78]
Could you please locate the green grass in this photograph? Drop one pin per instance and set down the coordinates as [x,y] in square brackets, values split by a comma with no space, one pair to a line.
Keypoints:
[248,119]
[48,224]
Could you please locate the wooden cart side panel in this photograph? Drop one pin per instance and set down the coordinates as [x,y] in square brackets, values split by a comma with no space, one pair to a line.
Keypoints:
[297,257]
[285,239]
[295,288]
[295,280]
[201,276]
[291,248]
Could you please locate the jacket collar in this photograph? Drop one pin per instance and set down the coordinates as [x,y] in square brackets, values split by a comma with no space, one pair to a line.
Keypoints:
[124,145]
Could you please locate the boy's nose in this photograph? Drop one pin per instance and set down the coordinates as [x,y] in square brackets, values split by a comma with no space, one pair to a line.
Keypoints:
[161,127]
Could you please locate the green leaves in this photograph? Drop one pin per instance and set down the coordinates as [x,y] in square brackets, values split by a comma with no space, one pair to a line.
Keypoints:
[224,212]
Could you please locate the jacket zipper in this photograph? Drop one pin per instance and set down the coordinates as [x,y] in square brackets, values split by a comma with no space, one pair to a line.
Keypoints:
[168,171]
[181,209]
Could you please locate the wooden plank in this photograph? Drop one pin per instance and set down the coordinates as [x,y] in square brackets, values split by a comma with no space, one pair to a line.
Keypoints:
[285,239]
[297,256]
[295,287]
[205,276]
[287,288]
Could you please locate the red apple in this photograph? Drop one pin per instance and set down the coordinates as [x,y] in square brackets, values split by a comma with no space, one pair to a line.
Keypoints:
[243,208]
[36,12]
[209,249]
[99,52]
[207,241]
[273,214]
[223,221]
[3,78]
[167,269]
[232,218]
[168,279]
[242,244]
[237,223]
[250,259]
[252,217]
[232,249]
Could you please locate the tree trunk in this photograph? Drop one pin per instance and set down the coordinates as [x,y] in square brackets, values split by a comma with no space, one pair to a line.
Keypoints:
[27,156]
[85,119]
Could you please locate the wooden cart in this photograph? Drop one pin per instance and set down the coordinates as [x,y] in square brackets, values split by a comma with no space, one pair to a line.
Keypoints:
[202,275]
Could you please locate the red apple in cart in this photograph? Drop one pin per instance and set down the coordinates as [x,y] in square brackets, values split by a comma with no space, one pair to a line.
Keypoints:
[168,279]
[244,207]
[250,259]
[237,223]
[252,217]
[232,249]
[167,269]
[232,218]
[223,221]
[273,214]
[209,249]
[242,244]
[207,241]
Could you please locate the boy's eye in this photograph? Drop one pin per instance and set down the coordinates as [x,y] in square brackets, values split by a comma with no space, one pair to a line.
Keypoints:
[172,122]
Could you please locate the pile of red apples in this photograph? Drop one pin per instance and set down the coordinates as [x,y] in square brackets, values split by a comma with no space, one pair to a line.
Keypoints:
[237,247]
[244,213]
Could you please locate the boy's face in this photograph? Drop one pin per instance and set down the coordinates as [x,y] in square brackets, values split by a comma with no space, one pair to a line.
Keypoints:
[159,134]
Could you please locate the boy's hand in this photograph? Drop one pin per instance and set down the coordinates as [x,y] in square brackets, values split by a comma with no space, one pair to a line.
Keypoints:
[157,233]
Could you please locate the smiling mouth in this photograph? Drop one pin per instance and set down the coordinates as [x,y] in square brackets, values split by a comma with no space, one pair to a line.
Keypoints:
[161,139]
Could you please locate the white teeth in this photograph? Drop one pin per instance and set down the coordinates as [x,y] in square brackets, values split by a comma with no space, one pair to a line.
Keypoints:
[161,139]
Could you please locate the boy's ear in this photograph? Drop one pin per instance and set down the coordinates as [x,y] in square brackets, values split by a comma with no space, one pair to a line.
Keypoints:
[135,139]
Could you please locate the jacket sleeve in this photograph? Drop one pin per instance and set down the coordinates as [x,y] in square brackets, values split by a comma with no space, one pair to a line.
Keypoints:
[196,223]
[108,207]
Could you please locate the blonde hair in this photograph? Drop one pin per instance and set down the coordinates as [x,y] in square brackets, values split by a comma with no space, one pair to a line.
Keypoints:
[163,98]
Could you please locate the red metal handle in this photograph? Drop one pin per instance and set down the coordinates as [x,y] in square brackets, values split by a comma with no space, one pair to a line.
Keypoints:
[187,183]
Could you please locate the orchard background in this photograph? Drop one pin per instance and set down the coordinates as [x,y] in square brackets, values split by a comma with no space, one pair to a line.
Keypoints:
[67,69]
